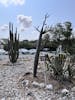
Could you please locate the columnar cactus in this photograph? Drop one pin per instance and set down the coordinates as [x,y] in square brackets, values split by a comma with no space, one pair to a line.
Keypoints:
[13,44]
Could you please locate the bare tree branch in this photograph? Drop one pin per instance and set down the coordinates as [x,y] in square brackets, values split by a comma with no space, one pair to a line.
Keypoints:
[42,31]
[37,28]
[44,22]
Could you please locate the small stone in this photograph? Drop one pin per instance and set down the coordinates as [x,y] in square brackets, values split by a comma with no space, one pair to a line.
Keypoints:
[73,89]
[25,82]
[42,85]
[35,84]
[49,87]
[65,92]
[39,67]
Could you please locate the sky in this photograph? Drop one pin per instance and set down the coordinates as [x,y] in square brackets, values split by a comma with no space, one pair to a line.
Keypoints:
[28,14]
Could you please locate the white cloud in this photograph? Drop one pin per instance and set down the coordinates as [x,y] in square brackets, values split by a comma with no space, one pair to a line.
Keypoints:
[9,2]
[4,27]
[24,22]
[21,28]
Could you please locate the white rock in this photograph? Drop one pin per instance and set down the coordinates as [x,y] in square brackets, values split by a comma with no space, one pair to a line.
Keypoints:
[49,87]
[73,89]
[42,85]
[65,92]
[36,84]
[25,82]
[39,66]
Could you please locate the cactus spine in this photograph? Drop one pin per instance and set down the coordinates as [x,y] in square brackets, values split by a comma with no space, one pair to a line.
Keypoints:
[13,44]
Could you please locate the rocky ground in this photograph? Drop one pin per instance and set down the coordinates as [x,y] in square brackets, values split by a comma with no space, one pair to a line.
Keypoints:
[17,82]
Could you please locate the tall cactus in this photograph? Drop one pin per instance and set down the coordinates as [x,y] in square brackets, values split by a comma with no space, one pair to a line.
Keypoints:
[13,44]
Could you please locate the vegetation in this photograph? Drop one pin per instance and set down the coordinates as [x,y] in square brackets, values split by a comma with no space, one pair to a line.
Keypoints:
[28,44]
[62,33]
[61,66]
[42,31]
[13,45]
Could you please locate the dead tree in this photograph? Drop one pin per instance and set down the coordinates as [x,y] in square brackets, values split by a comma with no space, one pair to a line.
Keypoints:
[42,31]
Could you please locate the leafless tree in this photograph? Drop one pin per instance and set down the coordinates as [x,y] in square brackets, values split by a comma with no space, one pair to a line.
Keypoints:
[44,29]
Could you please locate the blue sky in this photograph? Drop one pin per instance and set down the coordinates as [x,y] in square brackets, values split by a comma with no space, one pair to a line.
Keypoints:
[25,14]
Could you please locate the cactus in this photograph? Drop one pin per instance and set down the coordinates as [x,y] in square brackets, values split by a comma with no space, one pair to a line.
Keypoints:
[13,44]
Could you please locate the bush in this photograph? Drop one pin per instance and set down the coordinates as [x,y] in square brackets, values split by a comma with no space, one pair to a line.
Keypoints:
[62,65]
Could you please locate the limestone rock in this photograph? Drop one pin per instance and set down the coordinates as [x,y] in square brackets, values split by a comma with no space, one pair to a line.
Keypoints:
[39,67]
[64,92]
[49,87]
[42,85]
[25,82]
[35,84]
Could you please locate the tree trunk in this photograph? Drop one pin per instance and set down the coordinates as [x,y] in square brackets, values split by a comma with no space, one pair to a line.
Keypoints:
[37,55]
